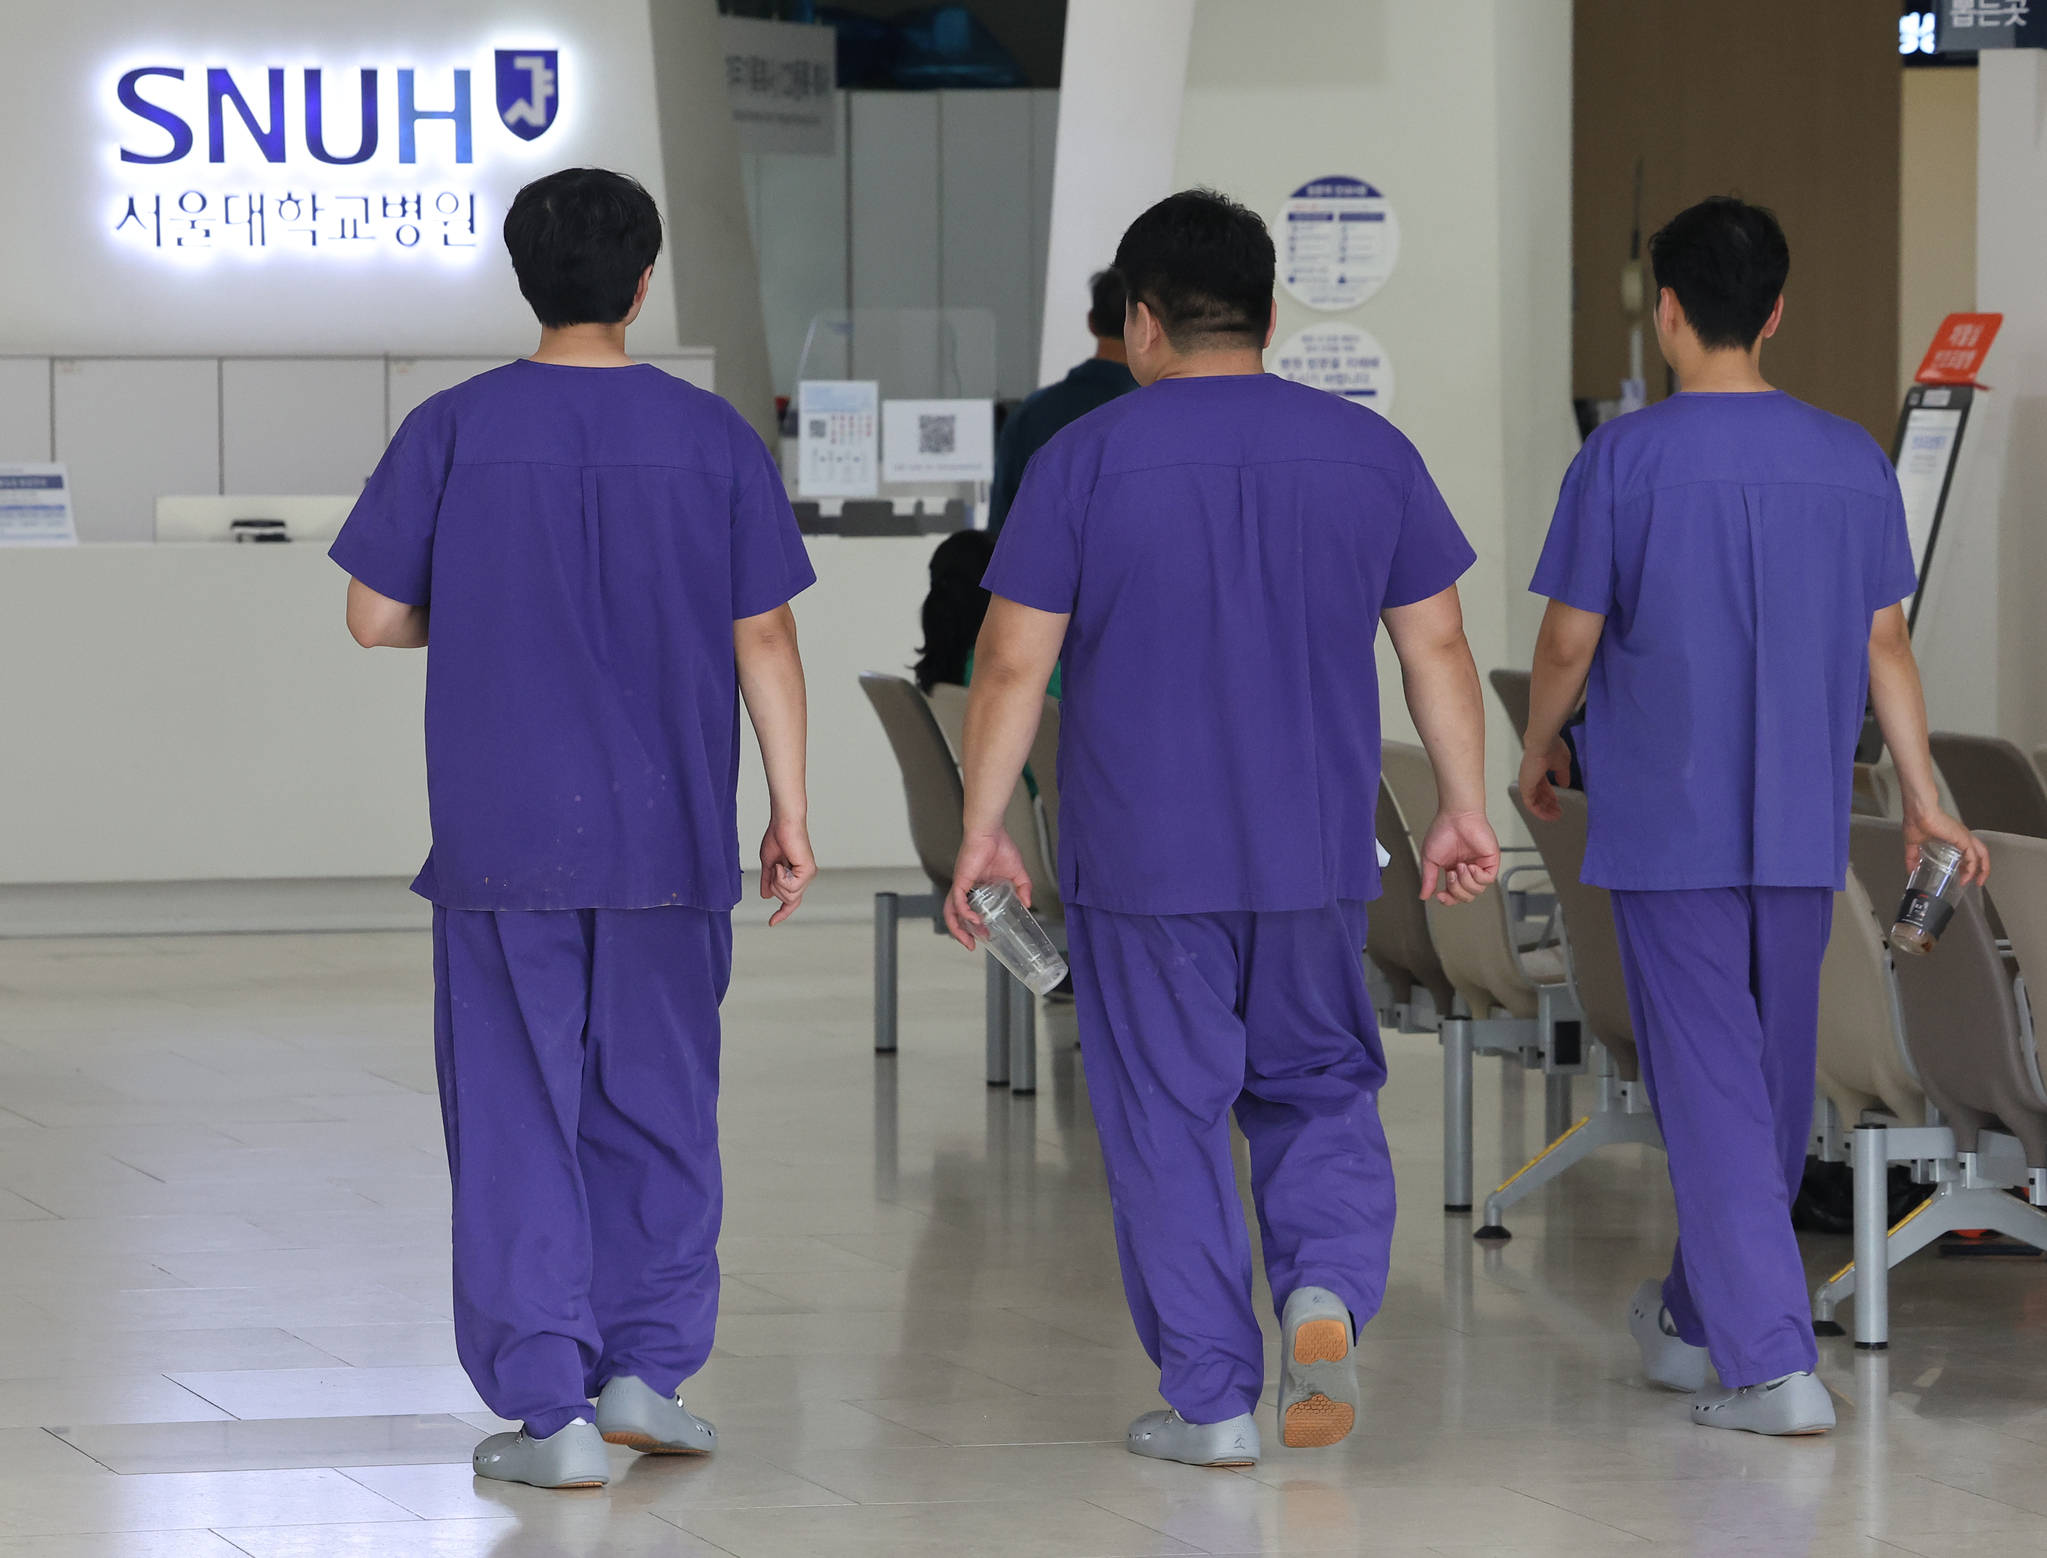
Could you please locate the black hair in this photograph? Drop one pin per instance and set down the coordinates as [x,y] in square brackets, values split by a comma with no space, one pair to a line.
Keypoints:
[580,240]
[1106,304]
[1203,265]
[954,608]
[1726,260]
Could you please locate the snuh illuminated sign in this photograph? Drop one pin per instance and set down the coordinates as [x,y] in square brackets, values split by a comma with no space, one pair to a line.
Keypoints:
[251,154]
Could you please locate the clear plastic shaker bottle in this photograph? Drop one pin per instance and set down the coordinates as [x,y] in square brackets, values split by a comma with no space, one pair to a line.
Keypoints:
[1016,939]
[1930,898]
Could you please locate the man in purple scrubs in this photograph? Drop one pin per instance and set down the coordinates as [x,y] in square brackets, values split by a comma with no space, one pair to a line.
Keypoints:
[1726,569]
[1209,558]
[607,555]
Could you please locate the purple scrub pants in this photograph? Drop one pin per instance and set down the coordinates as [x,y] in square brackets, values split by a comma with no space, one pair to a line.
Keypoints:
[1183,1018]
[578,1058]
[1724,989]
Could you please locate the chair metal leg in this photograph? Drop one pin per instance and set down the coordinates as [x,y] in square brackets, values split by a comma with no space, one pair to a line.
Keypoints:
[886,908]
[998,1022]
[1556,1105]
[1023,1038]
[1601,1128]
[1971,1193]
[1872,1166]
[1456,1114]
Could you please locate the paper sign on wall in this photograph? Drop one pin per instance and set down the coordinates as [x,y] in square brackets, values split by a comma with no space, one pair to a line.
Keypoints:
[1342,359]
[938,440]
[838,433]
[1339,240]
[35,506]
[783,81]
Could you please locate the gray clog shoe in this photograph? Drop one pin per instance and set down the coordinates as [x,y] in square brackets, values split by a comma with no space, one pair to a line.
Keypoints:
[632,1413]
[1167,1436]
[1667,1358]
[1793,1404]
[570,1458]
[1318,1378]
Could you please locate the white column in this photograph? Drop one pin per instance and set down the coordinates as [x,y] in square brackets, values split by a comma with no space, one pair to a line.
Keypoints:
[1120,82]
[708,259]
[1979,638]
[1461,116]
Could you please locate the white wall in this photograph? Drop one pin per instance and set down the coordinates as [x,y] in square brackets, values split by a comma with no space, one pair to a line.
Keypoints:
[1461,116]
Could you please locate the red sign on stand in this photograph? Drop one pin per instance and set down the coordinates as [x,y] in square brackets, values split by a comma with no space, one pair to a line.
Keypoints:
[1959,347]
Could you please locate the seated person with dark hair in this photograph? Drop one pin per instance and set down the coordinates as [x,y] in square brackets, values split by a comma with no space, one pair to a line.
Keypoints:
[954,609]
[1093,383]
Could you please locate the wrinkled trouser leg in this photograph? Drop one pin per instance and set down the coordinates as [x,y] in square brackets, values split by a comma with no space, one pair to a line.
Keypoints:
[577,1052]
[1723,987]
[1182,1019]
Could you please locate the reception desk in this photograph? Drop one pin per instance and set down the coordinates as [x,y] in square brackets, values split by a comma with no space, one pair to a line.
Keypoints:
[198,713]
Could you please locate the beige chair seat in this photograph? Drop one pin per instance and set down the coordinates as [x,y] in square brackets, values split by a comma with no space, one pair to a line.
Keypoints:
[1863,1062]
[1546,965]
[1475,940]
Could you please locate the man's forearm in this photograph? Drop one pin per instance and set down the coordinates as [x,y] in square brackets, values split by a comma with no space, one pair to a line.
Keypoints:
[378,622]
[1003,710]
[1900,703]
[1562,662]
[1448,708]
[771,683]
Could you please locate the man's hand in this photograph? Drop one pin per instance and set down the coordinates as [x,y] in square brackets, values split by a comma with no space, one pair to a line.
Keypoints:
[1541,769]
[787,866]
[1937,824]
[983,857]
[1460,855]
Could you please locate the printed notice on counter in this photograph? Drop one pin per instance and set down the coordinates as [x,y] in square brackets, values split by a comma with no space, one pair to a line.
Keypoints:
[1342,359]
[838,429]
[1338,242]
[1924,455]
[35,506]
[938,440]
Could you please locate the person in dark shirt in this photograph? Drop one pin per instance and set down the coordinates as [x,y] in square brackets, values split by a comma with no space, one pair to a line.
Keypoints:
[1093,383]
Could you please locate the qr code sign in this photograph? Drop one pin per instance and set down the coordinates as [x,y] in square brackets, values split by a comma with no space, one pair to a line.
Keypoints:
[819,428]
[938,434]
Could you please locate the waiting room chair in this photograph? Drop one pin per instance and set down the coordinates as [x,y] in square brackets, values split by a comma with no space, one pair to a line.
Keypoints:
[1507,1002]
[1969,1035]
[1994,784]
[1865,1066]
[936,800]
[1511,688]
[1397,932]
[1593,956]
[1021,818]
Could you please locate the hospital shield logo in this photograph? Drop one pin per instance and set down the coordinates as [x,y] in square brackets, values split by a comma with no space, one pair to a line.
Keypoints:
[529,90]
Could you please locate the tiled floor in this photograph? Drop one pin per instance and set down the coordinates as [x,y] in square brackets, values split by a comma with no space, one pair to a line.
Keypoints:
[223,1310]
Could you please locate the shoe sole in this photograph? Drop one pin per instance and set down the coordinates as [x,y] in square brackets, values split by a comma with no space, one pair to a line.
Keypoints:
[1318,1422]
[647,1444]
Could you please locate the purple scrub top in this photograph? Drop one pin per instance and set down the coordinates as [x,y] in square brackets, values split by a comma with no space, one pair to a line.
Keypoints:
[1225,547]
[586,538]
[1738,546]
